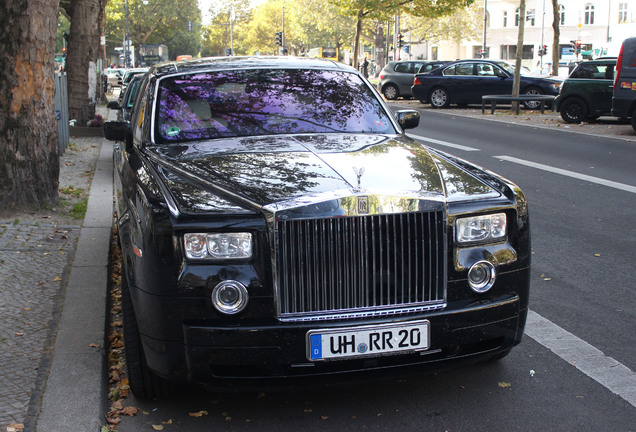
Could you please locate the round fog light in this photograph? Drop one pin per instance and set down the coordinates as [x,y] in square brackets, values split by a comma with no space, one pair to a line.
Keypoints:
[481,276]
[229,297]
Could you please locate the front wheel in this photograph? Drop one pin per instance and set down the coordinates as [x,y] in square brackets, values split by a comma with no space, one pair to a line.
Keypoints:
[439,98]
[144,383]
[533,91]
[632,120]
[573,110]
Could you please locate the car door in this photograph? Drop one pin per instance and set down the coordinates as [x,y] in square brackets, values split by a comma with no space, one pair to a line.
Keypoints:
[404,79]
[599,84]
[461,83]
[491,80]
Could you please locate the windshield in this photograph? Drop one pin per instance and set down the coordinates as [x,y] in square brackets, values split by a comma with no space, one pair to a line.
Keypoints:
[266,102]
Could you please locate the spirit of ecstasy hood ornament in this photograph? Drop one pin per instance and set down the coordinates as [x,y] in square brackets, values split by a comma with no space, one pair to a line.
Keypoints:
[358,172]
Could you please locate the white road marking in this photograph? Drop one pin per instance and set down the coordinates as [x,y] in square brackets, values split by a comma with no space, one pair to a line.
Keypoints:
[444,143]
[611,374]
[591,179]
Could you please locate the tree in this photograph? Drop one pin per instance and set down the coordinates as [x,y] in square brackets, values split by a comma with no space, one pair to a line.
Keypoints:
[83,52]
[516,83]
[217,35]
[383,9]
[29,160]
[155,22]
[556,36]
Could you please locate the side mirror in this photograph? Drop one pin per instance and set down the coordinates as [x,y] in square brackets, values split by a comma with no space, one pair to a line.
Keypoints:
[116,130]
[408,119]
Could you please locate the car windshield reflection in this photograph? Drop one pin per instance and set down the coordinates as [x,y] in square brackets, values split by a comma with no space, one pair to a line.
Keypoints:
[266,102]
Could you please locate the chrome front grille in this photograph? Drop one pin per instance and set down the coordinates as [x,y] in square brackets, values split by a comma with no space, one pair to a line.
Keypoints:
[361,265]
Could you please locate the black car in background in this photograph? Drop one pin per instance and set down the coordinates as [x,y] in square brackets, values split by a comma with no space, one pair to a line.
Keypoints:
[126,102]
[396,78]
[276,222]
[466,81]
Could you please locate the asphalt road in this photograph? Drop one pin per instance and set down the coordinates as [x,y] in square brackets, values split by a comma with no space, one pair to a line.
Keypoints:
[574,370]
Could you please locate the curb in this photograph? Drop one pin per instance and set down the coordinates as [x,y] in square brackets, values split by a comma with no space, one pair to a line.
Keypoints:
[74,397]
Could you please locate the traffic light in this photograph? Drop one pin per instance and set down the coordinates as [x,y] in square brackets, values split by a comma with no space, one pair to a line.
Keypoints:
[543,50]
[400,40]
[279,38]
[578,46]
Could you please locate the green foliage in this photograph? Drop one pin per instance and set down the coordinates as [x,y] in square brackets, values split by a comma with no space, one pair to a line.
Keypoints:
[157,22]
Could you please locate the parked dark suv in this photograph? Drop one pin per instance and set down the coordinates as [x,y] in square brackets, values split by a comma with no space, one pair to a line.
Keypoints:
[624,98]
[587,93]
[396,78]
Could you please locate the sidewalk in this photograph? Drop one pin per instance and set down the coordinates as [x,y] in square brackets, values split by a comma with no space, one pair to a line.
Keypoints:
[53,287]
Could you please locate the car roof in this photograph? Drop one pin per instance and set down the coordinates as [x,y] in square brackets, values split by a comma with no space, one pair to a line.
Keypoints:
[253,62]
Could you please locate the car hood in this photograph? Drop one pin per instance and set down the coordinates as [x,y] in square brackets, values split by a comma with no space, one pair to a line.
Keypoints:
[249,173]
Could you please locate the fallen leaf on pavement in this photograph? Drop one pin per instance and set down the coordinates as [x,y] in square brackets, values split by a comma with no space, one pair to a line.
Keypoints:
[198,414]
[157,427]
[504,384]
[14,427]
[130,411]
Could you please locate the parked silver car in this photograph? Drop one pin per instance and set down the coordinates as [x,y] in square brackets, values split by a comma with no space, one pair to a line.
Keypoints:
[396,78]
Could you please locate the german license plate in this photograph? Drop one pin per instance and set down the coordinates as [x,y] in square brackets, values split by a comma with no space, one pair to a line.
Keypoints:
[368,341]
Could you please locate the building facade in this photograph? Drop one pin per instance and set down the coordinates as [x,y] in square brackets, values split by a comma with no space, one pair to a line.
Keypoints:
[599,25]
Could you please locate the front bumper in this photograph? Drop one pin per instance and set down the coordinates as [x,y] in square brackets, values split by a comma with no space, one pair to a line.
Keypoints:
[210,353]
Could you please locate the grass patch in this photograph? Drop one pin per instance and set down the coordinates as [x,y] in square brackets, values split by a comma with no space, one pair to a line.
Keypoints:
[72,191]
[78,211]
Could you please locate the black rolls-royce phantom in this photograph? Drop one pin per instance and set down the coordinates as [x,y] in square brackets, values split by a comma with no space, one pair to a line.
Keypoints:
[276,222]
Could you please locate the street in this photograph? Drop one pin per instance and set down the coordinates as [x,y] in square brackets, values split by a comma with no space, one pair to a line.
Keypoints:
[574,370]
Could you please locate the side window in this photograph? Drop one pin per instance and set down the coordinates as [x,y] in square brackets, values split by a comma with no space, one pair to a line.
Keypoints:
[404,67]
[485,69]
[137,117]
[585,71]
[464,69]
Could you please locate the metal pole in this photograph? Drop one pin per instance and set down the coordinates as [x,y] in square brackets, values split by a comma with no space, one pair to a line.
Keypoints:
[231,30]
[282,39]
[127,41]
[483,55]
[542,27]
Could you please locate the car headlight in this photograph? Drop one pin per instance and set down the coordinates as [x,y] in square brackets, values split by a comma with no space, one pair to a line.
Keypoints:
[219,246]
[480,228]
[556,86]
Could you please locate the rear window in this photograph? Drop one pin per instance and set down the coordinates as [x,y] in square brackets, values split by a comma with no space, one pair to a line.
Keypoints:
[593,71]
[266,102]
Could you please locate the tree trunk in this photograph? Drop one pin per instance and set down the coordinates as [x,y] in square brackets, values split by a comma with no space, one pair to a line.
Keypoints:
[29,160]
[516,84]
[83,52]
[557,35]
[356,44]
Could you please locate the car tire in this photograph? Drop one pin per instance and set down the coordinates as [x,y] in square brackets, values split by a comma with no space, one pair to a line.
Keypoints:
[573,110]
[632,120]
[390,92]
[144,383]
[439,98]
[531,105]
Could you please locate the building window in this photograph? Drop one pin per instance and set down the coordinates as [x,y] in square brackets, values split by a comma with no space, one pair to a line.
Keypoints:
[517,18]
[622,13]
[434,53]
[561,15]
[509,52]
[589,14]
[530,16]
[505,19]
